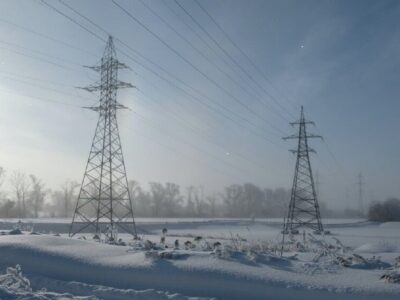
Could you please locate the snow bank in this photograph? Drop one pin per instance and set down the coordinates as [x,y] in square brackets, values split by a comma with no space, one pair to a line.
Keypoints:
[13,285]
[88,268]
[390,225]
[379,247]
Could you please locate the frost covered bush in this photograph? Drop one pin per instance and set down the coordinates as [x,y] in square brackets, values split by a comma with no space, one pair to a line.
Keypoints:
[360,262]
[146,245]
[13,285]
[391,277]
[14,281]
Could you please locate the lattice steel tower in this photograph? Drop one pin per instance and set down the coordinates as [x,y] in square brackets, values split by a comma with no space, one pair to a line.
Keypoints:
[104,202]
[303,207]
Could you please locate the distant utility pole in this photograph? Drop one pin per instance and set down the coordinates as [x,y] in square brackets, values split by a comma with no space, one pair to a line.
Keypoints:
[317,184]
[104,203]
[360,184]
[303,207]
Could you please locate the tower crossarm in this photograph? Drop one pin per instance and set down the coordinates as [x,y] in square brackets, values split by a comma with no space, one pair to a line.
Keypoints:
[114,62]
[302,122]
[302,152]
[98,86]
[314,136]
[308,136]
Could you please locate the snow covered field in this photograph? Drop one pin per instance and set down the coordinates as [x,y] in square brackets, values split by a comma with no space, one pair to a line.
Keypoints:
[205,258]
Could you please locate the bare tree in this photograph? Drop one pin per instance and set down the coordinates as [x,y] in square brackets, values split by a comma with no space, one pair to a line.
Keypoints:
[212,202]
[68,195]
[2,177]
[172,200]
[6,208]
[190,207]
[134,191]
[198,201]
[6,205]
[20,186]
[37,195]
[157,197]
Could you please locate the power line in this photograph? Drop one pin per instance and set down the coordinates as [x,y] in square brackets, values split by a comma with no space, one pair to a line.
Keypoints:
[142,117]
[194,67]
[73,21]
[46,88]
[201,53]
[37,58]
[200,37]
[125,53]
[41,99]
[45,36]
[185,142]
[176,150]
[39,52]
[170,74]
[235,62]
[201,134]
[237,46]
[34,78]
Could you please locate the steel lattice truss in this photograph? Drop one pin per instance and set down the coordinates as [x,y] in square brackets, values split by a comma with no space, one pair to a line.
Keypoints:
[104,199]
[303,207]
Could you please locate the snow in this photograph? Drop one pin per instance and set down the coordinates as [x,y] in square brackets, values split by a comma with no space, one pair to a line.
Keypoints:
[233,259]
[379,247]
[13,285]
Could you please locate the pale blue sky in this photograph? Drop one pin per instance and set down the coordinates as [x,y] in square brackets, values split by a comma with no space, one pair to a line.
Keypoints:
[340,59]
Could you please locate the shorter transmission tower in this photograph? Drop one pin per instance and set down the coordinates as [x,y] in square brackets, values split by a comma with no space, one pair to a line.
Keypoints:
[303,207]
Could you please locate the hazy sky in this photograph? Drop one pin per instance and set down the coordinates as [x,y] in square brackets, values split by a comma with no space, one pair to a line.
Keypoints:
[340,59]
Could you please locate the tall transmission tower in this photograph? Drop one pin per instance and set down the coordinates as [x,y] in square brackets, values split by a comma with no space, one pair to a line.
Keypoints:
[360,184]
[303,207]
[104,203]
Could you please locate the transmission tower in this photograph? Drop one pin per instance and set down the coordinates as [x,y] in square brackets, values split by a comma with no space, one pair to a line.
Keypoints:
[303,207]
[104,203]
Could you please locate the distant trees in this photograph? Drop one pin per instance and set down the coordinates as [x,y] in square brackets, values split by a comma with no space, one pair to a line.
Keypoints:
[29,197]
[69,196]
[388,211]
[20,185]
[249,200]
[166,199]
[6,208]
[26,197]
[37,195]
[62,200]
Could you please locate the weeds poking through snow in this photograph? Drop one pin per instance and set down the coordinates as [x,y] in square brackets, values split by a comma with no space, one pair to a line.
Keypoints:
[188,245]
[391,277]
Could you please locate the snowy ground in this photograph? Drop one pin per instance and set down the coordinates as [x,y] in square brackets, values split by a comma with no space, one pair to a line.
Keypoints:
[233,259]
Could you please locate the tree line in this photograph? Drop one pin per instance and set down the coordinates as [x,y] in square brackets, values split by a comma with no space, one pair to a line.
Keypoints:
[27,196]
[236,201]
